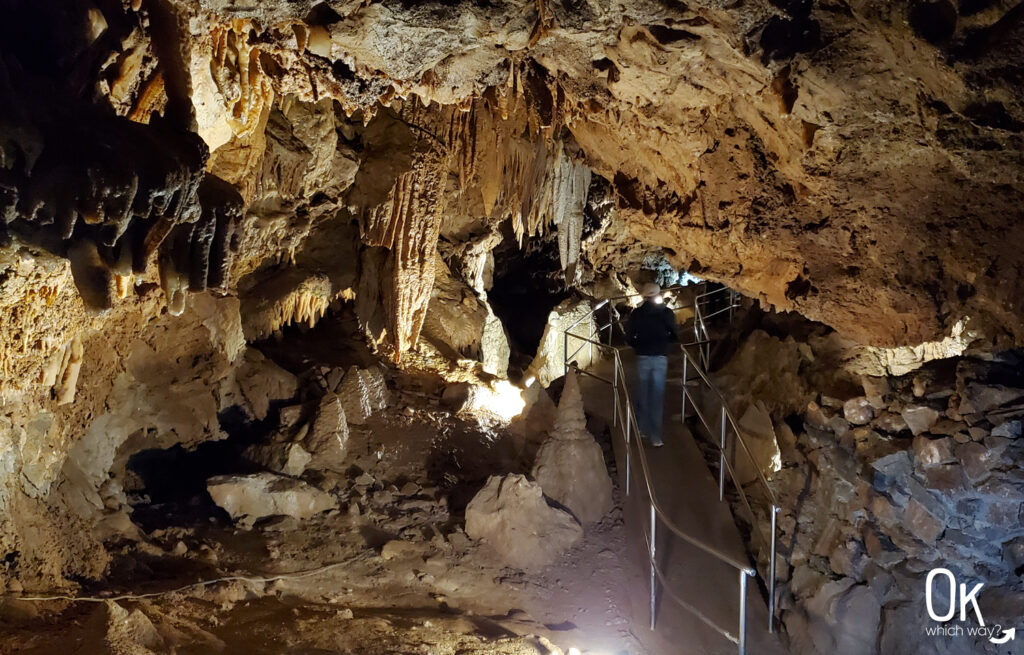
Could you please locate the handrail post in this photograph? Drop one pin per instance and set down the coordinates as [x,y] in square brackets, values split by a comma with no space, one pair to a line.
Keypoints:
[682,416]
[565,350]
[593,327]
[743,613]
[721,459]
[629,447]
[615,393]
[654,524]
[771,575]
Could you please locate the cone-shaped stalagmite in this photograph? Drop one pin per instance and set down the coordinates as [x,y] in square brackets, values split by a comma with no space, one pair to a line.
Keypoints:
[570,464]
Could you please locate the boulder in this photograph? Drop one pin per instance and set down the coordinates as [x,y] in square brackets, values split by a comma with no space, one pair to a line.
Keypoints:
[977,397]
[858,411]
[279,456]
[1008,429]
[890,422]
[759,434]
[512,517]
[129,632]
[251,497]
[570,465]
[363,392]
[922,523]
[262,381]
[919,419]
[932,452]
[549,363]
[875,389]
[977,460]
[1013,553]
[816,416]
[842,618]
[327,441]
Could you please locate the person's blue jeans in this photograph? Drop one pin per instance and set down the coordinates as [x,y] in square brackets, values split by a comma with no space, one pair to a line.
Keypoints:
[650,395]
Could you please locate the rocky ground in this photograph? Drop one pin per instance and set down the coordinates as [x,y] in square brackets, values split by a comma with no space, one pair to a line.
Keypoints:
[385,566]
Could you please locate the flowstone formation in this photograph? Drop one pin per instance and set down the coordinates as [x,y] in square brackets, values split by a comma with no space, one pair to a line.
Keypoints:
[570,463]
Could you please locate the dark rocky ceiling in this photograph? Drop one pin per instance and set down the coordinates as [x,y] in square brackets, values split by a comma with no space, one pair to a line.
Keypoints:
[861,163]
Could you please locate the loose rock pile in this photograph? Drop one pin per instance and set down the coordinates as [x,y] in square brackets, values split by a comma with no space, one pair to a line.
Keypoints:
[880,489]
[301,442]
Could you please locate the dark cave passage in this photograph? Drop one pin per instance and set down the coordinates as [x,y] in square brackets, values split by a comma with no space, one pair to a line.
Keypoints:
[173,491]
[528,284]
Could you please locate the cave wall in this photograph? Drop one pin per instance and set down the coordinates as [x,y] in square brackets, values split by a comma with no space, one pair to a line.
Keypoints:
[857,162]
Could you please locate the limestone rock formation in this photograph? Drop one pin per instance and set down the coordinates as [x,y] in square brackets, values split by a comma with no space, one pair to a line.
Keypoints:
[510,515]
[279,457]
[570,465]
[262,381]
[327,440]
[129,633]
[363,392]
[549,363]
[247,498]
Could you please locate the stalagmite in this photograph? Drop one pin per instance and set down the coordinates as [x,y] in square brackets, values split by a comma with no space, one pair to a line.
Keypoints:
[570,465]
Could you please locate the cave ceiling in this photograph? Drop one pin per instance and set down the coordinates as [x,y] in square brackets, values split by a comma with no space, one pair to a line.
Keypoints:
[861,163]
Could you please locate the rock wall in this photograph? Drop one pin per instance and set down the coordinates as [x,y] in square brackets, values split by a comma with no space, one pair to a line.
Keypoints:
[883,483]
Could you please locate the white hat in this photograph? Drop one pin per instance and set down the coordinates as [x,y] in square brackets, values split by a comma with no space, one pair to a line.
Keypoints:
[650,290]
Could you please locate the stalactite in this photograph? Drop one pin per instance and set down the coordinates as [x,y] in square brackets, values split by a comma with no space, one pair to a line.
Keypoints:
[569,186]
[408,224]
[238,73]
[197,256]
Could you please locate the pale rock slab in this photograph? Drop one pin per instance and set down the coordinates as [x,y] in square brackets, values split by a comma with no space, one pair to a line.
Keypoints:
[570,465]
[549,363]
[512,517]
[759,434]
[255,496]
[327,441]
[920,419]
[362,392]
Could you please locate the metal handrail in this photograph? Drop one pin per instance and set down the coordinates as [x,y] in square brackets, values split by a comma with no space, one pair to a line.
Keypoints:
[732,421]
[630,425]
[711,550]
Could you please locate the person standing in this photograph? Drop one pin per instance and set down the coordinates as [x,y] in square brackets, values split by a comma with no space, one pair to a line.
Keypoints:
[650,329]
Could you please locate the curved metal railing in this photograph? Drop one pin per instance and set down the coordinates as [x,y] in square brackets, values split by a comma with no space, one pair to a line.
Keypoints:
[630,427]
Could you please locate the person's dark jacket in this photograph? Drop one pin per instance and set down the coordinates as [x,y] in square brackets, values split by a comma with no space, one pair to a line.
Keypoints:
[651,328]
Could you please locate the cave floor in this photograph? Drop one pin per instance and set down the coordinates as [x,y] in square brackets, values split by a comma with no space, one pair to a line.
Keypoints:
[688,493]
[402,577]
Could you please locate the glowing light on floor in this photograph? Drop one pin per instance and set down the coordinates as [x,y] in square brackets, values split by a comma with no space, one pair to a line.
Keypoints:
[501,399]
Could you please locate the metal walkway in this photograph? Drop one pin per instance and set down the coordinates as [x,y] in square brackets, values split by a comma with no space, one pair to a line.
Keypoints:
[698,593]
